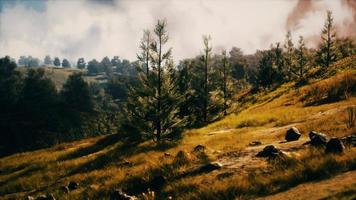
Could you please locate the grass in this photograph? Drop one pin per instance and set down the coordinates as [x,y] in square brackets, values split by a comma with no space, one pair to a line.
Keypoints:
[98,164]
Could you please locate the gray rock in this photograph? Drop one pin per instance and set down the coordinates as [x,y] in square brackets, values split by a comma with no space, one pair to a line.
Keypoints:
[334,145]
[210,167]
[73,185]
[269,151]
[292,134]
[318,139]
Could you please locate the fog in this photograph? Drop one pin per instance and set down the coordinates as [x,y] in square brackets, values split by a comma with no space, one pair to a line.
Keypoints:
[93,29]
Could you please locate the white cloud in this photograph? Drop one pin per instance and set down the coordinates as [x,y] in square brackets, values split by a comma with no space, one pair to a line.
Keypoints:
[90,29]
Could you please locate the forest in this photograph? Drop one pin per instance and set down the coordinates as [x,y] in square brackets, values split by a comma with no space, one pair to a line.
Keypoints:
[152,98]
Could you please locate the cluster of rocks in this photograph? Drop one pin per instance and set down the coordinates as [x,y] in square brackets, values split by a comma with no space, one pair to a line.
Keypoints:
[331,145]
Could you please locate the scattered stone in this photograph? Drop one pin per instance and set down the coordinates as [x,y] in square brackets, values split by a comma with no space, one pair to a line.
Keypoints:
[292,134]
[349,140]
[334,145]
[255,143]
[119,195]
[167,154]
[269,151]
[182,158]
[29,198]
[210,167]
[199,148]
[73,185]
[317,139]
[157,182]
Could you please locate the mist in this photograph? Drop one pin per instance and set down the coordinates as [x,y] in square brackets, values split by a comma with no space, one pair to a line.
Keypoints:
[94,29]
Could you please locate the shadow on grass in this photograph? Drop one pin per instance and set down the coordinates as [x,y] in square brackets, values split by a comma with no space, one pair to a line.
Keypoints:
[118,154]
[25,172]
[96,147]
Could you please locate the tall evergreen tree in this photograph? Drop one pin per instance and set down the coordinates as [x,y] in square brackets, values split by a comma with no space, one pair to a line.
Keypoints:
[206,57]
[144,56]
[226,73]
[327,53]
[289,56]
[301,58]
[153,104]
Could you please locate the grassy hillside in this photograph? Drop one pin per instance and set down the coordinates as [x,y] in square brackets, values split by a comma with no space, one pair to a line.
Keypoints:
[103,164]
[60,75]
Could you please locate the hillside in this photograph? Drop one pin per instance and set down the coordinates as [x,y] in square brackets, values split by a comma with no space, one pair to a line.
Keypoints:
[60,75]
[102,164]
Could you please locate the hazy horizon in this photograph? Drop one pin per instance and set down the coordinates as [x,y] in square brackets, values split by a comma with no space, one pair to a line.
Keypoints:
[94,29]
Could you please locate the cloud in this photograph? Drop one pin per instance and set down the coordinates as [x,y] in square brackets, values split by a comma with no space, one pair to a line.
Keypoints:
[94,29]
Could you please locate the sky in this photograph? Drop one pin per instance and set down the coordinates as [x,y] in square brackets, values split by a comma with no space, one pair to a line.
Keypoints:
[97,28]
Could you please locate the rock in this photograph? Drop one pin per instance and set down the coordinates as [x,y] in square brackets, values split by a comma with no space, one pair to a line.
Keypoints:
[317,139]
[349,140]
[210,167]
[255,143]
[182,158]
[73,185]
[29,198]
[334,145]
[119,195]
[269,151]
[157,182]
[292,134]
[199,148]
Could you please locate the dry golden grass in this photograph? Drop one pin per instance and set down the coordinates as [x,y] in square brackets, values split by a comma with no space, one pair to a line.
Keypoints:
[98,163]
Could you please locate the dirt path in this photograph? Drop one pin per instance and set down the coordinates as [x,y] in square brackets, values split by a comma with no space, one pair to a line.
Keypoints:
[342,183]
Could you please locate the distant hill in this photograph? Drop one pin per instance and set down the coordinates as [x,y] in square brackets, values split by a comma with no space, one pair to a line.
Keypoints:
[60,75]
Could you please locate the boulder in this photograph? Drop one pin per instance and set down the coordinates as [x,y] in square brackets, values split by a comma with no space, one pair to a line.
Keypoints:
[119,195]
[157,182]
[334,145]
[269,151]
[210,167]
[317,139]
[292,134]
[199,148]
[167,154]
[73,185]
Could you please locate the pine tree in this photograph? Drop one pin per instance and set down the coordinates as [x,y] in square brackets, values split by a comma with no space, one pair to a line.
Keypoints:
[289,56]
[226,74]
[326,54]
[301,58]
[144,56]
[206,57]
[153,104]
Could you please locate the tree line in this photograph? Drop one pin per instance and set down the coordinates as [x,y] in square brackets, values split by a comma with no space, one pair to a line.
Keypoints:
[153,97]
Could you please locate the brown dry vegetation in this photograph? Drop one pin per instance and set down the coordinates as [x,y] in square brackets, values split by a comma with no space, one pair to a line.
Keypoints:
[99,164]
